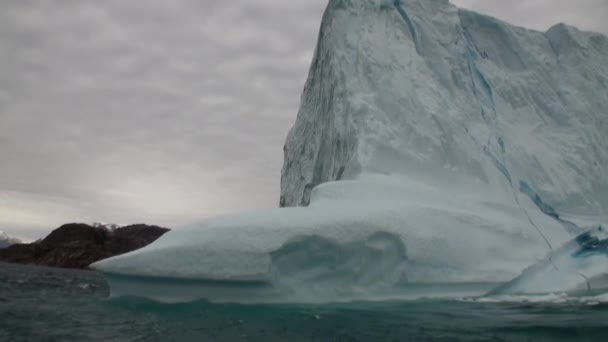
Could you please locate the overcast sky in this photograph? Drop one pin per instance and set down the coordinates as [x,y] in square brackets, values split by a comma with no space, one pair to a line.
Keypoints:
[161,111]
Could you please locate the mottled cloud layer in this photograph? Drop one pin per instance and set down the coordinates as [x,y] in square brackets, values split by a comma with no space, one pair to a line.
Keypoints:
[165,111]
[587,15]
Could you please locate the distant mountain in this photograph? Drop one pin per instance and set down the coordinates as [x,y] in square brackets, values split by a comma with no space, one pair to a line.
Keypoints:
[77,245]
[6,240]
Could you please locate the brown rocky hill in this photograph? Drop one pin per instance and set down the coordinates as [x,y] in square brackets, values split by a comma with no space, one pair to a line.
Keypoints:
[78,245]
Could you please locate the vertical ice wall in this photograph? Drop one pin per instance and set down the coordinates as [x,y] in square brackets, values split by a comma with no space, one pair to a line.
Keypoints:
[425,91]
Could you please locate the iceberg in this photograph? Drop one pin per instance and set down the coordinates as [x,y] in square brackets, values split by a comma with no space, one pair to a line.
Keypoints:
[437,152]
[356,239]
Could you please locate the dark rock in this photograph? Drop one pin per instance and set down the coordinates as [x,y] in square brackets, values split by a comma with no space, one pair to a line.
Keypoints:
[75,233]
[78,245]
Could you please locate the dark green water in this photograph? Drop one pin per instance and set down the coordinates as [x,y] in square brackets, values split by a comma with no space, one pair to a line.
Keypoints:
[41,304]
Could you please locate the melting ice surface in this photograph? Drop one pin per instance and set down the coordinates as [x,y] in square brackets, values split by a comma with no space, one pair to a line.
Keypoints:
[580,265]
[437,152]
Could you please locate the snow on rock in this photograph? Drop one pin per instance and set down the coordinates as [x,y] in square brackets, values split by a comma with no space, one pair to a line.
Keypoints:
[6,240]
[433,146]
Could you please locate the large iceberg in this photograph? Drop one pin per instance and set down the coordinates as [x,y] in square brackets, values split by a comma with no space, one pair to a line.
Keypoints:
[437,152]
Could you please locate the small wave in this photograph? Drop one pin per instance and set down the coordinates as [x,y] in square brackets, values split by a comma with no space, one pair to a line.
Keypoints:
[551,298]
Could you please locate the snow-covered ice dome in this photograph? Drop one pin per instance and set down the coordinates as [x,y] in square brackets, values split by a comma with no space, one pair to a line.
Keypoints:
[436,152]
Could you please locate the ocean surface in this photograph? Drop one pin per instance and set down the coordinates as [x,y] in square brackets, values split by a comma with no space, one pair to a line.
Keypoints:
[43,304]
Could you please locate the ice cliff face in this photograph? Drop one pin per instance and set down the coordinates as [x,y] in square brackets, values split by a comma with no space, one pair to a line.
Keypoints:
[425,91]
[437,152]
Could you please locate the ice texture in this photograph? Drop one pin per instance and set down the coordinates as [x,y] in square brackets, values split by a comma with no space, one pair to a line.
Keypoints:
[479,102]
[437,151]
[580,265]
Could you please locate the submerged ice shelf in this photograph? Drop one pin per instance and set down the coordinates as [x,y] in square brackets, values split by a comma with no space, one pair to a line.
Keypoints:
[437,152]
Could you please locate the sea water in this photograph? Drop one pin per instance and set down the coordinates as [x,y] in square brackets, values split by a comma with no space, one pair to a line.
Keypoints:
[44,304]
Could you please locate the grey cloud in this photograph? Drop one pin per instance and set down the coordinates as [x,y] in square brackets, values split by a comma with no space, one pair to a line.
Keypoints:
[542,14]
[164,111]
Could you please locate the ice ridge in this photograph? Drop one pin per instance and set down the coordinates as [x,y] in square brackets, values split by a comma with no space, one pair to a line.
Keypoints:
[400,8]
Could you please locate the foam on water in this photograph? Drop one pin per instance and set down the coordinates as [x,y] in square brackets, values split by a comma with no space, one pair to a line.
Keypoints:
[550,298]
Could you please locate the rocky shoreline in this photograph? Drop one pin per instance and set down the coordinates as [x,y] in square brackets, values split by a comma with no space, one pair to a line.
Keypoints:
[78,245]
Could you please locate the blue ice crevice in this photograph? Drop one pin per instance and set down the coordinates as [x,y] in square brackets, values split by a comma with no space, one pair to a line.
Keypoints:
[488,104]
[591,244]
[547,209]
[538,201]
[583,256]
[410,24]
[499,165]
[472,57]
